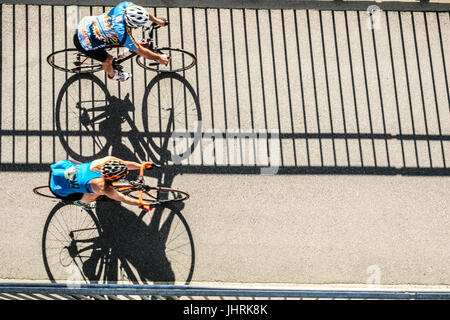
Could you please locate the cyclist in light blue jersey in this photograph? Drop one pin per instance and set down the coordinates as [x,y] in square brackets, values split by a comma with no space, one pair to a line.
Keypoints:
[86,182]
[95,33]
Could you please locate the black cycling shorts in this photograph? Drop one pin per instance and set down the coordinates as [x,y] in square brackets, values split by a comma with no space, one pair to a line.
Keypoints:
[97,54]
[70,197]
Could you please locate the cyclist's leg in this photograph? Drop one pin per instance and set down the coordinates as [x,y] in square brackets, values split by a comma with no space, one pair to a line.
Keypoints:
[98,54]
[89,197]
[108,66]
[73,197]
[105,58]
[79,199]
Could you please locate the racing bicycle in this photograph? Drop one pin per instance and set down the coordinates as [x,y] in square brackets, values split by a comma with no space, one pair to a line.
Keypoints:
[73,61]
[80,246]
[137,189]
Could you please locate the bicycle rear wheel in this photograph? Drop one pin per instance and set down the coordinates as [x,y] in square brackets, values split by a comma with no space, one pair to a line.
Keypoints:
[179,60]
[44,191]
[158,195]
[83,98]
[71,60]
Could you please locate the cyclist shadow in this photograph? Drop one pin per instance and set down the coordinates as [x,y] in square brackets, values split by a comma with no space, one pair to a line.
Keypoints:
[111,129]
[156,251]
[89,119]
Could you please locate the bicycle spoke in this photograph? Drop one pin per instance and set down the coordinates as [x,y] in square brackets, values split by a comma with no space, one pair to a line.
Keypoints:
[71,236]
[96,141]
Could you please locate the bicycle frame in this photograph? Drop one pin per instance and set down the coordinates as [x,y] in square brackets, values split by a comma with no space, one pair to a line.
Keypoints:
[138,184]
[120,186]
[105,112]
[146,43]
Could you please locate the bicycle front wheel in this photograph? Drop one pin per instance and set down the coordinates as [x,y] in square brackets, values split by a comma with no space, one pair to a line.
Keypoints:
[71,60]
[158,195]
[180,60]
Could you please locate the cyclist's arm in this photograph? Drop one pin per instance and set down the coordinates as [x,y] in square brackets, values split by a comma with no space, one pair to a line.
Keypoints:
[147,54]
[132,165]
[100,187]
[159,21]
[134,46]
[112,193]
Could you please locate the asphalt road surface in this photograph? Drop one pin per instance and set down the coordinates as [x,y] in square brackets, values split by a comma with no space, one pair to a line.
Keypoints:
[314,145]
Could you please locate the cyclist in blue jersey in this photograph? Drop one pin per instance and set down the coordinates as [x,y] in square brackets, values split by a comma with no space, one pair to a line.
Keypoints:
[86,182]
[95,33]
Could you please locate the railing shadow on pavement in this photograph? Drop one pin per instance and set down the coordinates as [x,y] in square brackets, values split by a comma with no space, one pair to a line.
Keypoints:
[355,143]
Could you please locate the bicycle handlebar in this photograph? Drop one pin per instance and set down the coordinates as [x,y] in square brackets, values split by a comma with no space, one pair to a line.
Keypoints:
[145,165]
[155,26]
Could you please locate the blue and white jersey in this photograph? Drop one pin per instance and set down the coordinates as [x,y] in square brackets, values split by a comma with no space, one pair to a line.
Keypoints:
[107,30]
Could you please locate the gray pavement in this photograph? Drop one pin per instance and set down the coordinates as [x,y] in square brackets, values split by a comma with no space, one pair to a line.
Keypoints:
[320,152]
[408,5]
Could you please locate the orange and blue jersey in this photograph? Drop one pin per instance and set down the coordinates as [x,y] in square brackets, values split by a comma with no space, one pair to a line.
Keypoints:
[68,178]
[106,30]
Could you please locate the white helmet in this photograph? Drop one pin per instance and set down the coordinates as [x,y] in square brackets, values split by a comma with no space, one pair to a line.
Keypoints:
[135,16]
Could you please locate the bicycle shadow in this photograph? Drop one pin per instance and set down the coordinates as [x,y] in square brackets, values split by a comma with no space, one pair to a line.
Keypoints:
[143,253]
[140,247]
[89,120]
[115,244]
